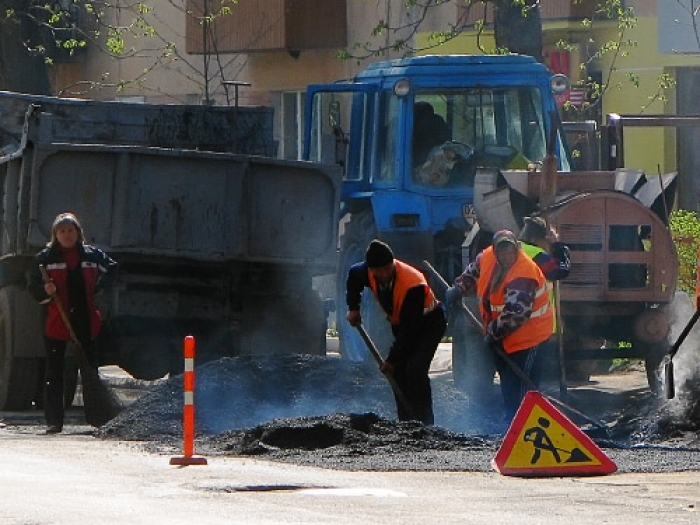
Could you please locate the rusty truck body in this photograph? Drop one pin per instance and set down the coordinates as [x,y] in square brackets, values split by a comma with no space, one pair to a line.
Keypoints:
[212,238]
[617,299]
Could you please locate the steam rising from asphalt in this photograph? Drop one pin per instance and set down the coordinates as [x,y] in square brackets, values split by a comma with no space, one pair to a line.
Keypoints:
[250,390]
[241,392]
[686,363]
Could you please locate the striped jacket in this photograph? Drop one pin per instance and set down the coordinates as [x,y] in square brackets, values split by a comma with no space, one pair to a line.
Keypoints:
[98,271]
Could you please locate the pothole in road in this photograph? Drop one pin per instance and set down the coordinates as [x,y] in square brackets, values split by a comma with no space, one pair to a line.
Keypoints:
[311,491]
[258,488]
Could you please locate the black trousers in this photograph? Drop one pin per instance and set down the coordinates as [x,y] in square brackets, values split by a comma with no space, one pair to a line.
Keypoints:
[54,403]
[412,375]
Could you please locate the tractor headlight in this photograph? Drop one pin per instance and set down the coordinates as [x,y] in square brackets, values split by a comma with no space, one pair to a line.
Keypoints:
[402,87]
[559,84]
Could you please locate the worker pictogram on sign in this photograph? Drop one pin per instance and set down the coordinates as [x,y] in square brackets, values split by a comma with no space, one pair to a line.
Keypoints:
[541,441]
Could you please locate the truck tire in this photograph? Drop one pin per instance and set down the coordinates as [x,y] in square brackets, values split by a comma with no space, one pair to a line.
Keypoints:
[359,232]
[20,377]
[473,367]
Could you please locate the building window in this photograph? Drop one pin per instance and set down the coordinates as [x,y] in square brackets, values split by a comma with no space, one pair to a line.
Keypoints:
[292,119]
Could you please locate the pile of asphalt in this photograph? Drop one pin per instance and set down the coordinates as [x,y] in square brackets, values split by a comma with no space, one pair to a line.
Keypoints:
[669,422]
[332,413]
[242,392]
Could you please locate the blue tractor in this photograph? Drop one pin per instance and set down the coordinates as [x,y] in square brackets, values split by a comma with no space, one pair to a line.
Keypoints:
[410,135]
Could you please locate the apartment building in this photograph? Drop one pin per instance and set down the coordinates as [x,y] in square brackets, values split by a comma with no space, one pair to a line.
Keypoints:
[266,52]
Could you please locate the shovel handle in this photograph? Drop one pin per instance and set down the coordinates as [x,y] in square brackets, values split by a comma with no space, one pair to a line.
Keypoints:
[61,311]
[672,351]
[401,398]
[370,345]
[434,273]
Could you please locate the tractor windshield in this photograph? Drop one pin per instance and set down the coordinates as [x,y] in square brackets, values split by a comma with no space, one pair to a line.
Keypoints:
[457,130]
[441,138]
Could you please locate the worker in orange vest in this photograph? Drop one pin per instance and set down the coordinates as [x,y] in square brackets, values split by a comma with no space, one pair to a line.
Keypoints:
[417,318]
[697,282]
[516,312]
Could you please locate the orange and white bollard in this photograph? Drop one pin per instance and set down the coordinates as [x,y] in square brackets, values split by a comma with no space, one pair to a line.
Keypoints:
[188,457]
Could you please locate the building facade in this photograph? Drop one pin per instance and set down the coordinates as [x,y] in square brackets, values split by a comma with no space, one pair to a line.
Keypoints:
[265,52]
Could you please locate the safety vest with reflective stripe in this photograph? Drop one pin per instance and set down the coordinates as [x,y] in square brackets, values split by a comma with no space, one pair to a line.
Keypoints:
[407,277]
[538,327]
[532,251]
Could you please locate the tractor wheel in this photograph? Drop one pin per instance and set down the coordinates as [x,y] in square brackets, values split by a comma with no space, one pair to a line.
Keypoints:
[20,377]
[473,367]
[579,371]
[359,232]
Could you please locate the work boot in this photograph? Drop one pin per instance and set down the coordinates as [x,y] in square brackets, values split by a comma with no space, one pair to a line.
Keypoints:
[53,429]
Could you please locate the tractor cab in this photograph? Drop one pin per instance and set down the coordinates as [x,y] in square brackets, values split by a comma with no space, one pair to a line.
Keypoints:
[411,134]
[422,126]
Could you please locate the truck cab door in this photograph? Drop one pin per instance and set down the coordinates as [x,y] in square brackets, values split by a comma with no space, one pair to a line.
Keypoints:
[337,113]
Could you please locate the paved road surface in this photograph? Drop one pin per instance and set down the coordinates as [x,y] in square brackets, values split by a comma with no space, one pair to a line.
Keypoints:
[74,478]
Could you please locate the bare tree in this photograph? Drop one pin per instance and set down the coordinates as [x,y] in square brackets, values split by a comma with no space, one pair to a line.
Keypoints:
[35,34]
[22,48]
[140,31]
[517,28]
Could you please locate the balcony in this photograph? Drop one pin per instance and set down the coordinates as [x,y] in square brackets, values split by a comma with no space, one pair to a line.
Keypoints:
[267,25]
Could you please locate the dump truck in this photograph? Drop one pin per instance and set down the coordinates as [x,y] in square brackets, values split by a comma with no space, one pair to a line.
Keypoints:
[440,151]
[213,239]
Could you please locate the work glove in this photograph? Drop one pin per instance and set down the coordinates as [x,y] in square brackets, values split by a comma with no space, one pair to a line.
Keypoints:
[354,318]
[452,295]
[386,368]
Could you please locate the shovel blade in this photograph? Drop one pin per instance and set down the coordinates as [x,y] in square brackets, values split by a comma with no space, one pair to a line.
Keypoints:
[101,404]
[595,432]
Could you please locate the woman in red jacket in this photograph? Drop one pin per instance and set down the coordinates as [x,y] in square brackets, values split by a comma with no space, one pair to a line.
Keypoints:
[76,271]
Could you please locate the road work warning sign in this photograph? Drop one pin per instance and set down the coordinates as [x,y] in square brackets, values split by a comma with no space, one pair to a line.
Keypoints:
[541,441]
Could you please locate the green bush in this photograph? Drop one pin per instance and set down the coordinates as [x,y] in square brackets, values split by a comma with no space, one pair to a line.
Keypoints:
[685,230]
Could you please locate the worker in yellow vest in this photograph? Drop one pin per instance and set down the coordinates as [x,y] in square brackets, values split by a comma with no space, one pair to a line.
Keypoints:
[541,245]
[553,257]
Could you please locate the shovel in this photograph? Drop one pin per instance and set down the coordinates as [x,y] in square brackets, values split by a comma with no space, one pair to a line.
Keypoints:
[392,382]
[100,403]
[669,381]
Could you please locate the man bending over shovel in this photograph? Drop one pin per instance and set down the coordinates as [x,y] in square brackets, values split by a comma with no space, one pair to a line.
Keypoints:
[417,320]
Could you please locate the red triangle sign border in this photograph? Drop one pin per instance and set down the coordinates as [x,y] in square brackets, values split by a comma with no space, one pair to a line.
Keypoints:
[603,466]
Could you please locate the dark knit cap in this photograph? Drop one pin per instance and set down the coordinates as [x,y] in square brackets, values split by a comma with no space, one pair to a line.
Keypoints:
[378,254]
[535,228]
